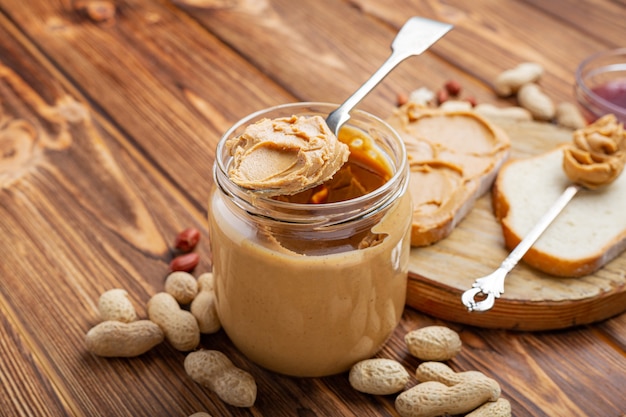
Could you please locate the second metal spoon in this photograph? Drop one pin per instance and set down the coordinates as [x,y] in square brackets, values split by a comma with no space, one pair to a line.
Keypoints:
[492,286]
[415,36]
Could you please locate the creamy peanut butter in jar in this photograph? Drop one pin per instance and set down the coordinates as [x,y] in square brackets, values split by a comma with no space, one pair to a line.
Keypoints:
[309,283]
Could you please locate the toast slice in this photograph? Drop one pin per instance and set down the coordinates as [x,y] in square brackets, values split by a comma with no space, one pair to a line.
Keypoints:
[586,235]
[454,157]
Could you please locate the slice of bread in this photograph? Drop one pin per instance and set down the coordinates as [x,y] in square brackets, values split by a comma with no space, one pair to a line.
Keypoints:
[587,234]
[454,157]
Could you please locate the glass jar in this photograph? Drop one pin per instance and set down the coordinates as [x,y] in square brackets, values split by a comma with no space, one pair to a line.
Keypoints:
[310,289]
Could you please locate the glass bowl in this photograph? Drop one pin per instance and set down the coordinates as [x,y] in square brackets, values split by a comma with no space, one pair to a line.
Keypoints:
[601,85]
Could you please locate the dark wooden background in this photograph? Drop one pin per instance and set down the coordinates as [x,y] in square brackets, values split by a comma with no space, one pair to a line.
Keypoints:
[107,136]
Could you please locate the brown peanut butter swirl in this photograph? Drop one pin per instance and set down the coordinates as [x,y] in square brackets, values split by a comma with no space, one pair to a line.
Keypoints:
[598,153]
[286,155]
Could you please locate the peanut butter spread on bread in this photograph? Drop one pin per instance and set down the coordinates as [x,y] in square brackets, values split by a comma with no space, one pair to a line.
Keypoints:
[285,156]
[598,153]
[454,157]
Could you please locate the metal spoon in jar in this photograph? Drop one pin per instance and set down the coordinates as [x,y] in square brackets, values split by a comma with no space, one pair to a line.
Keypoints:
[415,37]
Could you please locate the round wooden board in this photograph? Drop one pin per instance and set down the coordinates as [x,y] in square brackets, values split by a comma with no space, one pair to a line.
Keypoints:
[532,300]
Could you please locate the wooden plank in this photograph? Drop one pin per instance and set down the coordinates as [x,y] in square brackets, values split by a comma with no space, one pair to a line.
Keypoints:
[67,235]
[78,216]
[327,36]
[486,39]
[614,333]
[176,104]
[601,20]
[24,386]
[88,190]
[82,212]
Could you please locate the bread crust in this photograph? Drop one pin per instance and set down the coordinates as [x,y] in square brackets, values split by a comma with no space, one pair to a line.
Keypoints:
[550,263]
[450,216]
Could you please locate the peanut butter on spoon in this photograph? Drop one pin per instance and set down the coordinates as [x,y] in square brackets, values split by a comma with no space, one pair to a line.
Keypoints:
[288,155]
[597,155]
[285,156]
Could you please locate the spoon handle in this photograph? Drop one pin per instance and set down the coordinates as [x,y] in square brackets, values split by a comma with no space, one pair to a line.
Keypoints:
[415,36]
[492,285]
[548,217]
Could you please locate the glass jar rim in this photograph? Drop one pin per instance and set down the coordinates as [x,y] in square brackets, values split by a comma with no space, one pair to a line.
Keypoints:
[583,70]
[313,214]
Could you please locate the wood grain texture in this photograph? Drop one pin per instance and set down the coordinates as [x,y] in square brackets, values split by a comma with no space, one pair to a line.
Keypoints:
[77,219]
[317,37]
[107,134]
[602,21]
[141,63]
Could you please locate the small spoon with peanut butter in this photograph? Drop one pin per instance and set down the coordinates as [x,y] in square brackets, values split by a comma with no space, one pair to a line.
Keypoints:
[594,159]
[285,156]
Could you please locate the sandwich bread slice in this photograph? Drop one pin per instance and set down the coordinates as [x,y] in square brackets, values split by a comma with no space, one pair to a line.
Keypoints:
[586,235]
[454,157]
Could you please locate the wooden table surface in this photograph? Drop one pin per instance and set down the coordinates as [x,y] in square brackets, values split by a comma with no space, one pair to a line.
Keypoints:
[109,115]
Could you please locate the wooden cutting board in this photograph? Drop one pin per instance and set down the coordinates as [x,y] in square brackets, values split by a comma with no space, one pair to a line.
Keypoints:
[532,300]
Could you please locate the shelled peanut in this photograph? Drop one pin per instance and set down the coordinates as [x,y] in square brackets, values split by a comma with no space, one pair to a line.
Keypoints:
[115,305]
[568,115]
[185,242]
[512,80]
[440,372]
[182,286]
[499,408]
[514,113]
[532,98]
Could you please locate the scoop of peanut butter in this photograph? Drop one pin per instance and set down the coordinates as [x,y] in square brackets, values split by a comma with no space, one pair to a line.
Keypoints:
[597,154]
[284,156]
